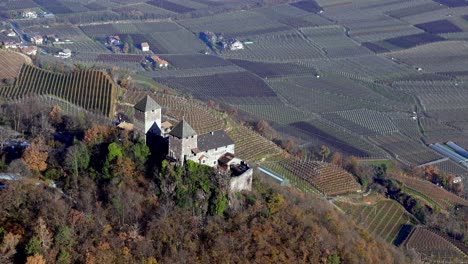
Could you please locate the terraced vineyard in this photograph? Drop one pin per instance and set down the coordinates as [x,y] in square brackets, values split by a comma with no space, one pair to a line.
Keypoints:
[11,63]
[435,248]
[250,145]
[384,218]
[93,90]
[327,178]
[292,179]
[439,195]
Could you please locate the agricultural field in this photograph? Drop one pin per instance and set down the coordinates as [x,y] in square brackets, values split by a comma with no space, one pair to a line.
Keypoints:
[195,61]
[367,67]
[282,114]
[234,24]
[279,46]
[332,92]
[439,27]
[293,16]
[439,57]
[236,84]
[381,217]
[429,191]
[338,139]
[269,70]
[334,41]
[170,6]
[104,30]
[408,151]
[379,28]
[434,248]
[11,63]
[94,90]
[363,121]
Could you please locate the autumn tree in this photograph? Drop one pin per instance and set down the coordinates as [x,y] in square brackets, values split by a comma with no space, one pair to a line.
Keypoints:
[36,259]
[98,133]
[8,247]
[324,152]
[56,114]
[43,233]
[77,158]
[337,159]
[35,156]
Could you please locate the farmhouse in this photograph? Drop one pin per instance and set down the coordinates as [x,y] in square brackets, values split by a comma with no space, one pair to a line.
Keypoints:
[10,45]
[215,149]
[236,45]
[166,127]
[52,38]
[65,54]
[159,62]
[29,14]
[145,46]
[37,40]
[29,50]
[113,40]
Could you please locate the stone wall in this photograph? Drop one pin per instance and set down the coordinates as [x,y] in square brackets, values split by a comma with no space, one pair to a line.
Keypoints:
[175,148]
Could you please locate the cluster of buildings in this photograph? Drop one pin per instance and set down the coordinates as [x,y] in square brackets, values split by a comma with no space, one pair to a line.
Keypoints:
[217,41]
[158,62]
[215,149]
[30,14]
[115,41]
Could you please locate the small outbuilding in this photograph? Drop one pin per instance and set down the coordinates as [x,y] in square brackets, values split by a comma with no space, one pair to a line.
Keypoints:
[145,46]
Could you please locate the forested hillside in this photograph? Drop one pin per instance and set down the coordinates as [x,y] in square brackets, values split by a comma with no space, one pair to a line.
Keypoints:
[115,202]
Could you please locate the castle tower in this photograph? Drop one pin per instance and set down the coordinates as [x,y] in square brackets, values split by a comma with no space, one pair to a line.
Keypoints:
[182,141]
[147,117]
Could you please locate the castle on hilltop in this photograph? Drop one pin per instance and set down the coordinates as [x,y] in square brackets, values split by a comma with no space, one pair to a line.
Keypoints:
[215,149]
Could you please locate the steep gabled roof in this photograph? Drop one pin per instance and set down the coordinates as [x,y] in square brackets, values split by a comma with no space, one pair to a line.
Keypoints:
[213,140]
[183,130]
[147,104]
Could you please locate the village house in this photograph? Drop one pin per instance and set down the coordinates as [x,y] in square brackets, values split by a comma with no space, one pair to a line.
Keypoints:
[52,38]
[113,40]
[145,46]
[160,63]
[65,54]
[11,33]
[29,14]
[37,40]
[215,149]
[10,45]
[166,127]
[29,50]
[236,45]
